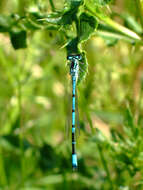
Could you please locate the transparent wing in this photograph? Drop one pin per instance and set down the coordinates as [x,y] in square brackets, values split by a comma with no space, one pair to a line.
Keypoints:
[68,111]
[68,107]
[83,68]
[77,116]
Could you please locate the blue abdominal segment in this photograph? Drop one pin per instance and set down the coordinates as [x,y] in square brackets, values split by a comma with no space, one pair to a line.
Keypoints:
[74,160]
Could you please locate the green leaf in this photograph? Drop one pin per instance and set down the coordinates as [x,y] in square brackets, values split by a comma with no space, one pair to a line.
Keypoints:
[110,41]
[116,26]
[72,46]
[68,17]
[88,24]
[130,127]
[100,2]
[70,13]
[18,38]
[131,23]
[109,34]
[65,17]
[30,25]
[41,21]
[74,3]
[37,17]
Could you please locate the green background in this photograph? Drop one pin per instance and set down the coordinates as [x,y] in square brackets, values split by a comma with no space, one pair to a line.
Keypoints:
[35,109]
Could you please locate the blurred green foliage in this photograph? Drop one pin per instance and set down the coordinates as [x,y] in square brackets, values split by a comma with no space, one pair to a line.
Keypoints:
[35,150]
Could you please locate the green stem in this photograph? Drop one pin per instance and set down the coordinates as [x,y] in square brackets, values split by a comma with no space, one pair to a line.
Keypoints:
[20,125]
[139,6]
[52,5]
[90,122]
[19,99]
[3,178]
[113,35]
[104,164]
[21,6]
[114,25]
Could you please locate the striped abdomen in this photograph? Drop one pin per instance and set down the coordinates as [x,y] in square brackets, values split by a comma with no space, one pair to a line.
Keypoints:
[74,156]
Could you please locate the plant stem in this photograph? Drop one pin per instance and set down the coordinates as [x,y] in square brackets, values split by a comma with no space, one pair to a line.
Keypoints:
[52,5]
[3,178]
[113,35]
[20,126]
[19,99]
[114,24]
[139,6]
[104,164]
[90,122]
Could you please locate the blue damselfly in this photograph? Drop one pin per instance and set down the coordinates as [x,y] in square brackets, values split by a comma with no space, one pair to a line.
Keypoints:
[74,72]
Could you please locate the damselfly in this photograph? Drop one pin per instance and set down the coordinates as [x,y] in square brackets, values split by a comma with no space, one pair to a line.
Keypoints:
[74,60]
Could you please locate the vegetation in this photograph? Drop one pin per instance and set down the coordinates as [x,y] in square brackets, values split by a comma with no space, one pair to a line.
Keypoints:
[35,149]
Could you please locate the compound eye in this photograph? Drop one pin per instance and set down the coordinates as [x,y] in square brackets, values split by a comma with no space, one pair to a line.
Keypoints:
[69,57]
[79,57]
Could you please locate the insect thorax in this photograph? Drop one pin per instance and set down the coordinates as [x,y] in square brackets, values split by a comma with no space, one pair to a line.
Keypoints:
[74,68]
[74,64]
